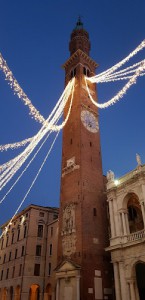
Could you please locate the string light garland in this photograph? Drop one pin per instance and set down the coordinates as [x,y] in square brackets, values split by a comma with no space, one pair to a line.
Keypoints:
[64,96]
[121,75]
[121,93]
[17,162]
[130,73]
[15,145]
[118,65]
[32,184]
[19,91]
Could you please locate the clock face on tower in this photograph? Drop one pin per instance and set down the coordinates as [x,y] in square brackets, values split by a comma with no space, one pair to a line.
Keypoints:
[89,121]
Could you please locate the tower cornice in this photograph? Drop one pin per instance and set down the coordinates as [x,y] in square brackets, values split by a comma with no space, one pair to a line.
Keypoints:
[79,53]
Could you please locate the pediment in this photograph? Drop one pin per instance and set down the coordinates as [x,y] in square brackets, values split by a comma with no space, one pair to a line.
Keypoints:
[67,265]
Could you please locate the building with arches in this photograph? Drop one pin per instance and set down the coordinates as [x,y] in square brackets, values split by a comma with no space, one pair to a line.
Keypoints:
[126,203]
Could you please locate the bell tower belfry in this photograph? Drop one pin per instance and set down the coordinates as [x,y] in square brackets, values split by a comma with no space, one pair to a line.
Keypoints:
[83,267]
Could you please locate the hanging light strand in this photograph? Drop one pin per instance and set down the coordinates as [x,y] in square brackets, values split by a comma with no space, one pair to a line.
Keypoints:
[121,93]
[63,124]
[19,91]
[16,145]
[32,184]
[25,169]
[17,163]
[121,75]
[118,65]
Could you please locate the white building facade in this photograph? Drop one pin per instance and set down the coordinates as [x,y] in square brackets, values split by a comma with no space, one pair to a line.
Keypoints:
[126,207]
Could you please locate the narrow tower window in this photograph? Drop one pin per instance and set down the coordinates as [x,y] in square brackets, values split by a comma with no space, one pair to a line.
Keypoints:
[94,212]
[49,269]
[84,71]
[73,73]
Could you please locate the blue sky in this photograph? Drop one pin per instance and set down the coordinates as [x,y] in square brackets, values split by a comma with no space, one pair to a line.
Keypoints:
[34,42]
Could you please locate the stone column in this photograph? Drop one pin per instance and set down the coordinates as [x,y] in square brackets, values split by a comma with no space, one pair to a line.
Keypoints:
[143,192]
[143,211]
[57,290]
[132,290]
[136,291]
[123,282]
[127,223]
[78,287]
[128,290]
[116,218]
[121,224]
[124,223]
[111,218]
[117,281]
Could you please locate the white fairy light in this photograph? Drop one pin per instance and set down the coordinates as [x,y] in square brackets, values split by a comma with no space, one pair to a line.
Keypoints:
[120,94]
[20,159]
[121,75]
[19,91]
[33,182]
[64,95]
[118,65]
[19,177]
[15,145]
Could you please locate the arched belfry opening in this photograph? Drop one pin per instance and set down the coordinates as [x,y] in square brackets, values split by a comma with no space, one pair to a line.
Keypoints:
[140,277]
[135,218]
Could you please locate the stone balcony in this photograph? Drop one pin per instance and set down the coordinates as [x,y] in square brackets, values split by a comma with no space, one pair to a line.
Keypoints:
[127,240]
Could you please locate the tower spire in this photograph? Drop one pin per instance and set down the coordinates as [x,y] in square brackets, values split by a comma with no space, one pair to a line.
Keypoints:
[79,39]
[79,24]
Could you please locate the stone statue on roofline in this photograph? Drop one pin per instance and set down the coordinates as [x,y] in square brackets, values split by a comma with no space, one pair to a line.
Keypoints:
[138,159]
[110,176]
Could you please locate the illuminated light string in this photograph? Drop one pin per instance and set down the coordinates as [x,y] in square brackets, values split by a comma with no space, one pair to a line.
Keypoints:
[118,65]
[122,73]
[20,159]
[126,70]
[15,145]
[6,229]
[120,94]
[19,91]
[65,94]
[19,177]
[109,79]
[32,184]
[37,152]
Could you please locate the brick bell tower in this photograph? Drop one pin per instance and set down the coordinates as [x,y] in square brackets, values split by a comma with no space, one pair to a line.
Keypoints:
[83,270]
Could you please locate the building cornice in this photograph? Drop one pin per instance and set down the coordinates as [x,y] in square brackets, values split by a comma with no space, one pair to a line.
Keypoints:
[79,53]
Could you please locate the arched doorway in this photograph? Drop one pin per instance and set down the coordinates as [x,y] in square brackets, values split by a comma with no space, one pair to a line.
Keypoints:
[17,293]
[48,292]
[34,292]
[4,294]
[134,213]
[140,277]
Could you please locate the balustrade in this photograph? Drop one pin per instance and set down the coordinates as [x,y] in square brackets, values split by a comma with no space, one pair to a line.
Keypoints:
[136,236]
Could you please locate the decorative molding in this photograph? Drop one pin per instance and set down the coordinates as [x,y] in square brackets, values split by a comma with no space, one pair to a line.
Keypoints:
[70,166]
